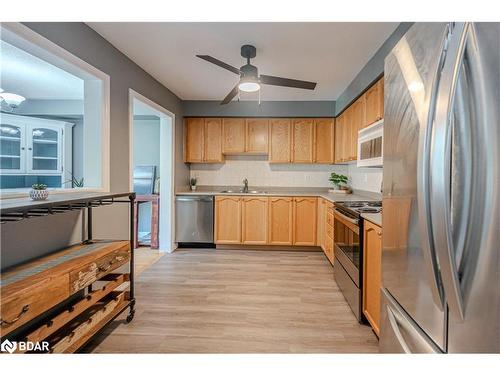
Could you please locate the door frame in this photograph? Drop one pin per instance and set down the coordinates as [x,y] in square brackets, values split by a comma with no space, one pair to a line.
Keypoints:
[167,166]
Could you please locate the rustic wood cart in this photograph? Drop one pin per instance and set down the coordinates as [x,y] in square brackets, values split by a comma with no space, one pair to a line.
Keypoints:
[65,298]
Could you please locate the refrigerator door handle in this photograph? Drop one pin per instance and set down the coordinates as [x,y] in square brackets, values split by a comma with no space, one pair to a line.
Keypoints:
[395,328]
[423,187]
[441,169]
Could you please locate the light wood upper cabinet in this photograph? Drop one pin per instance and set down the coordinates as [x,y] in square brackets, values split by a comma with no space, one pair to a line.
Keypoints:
[212,140]
[233,135]
[374,103]
[227,220]
[339,138]
[302,140]
[257,134]
[324,140]
[203,143]
[280,221]
[194,143]
[358,117]
[254,220]
[372,264]
[304,221]
[280,139]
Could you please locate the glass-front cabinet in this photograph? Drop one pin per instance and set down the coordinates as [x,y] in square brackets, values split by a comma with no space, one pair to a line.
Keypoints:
[32,146]
[12,147]
[44,149]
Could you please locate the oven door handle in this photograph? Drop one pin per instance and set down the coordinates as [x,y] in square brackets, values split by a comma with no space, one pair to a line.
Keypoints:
[346,218]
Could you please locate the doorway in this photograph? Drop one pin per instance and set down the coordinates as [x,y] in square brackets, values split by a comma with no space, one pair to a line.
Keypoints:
[151,132]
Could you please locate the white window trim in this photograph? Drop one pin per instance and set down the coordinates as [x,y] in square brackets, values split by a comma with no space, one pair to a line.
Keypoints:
[15,31]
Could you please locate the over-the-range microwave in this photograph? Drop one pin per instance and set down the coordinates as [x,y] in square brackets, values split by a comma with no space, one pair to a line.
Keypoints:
[370,145]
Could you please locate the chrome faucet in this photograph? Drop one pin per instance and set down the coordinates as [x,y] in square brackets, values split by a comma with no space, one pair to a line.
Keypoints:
[245,186]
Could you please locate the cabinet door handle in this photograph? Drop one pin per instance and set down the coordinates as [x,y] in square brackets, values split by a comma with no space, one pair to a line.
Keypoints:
[24,310]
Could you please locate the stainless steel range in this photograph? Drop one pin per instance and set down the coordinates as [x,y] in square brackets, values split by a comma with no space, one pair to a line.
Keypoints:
[348,249]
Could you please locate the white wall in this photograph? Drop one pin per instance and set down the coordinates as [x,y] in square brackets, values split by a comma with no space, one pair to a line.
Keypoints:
[260,173]
[147,143]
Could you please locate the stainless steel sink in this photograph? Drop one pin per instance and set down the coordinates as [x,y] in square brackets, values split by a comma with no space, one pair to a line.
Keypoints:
[242,192]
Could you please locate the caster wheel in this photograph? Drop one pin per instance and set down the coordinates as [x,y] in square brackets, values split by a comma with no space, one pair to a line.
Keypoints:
[130,317]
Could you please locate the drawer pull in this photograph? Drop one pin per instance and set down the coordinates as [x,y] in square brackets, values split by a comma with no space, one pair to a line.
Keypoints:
[110,263]
[9,322]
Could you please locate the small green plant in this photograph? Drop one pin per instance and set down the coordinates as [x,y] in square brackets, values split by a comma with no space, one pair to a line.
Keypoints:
[193,181]
[338,179]
[75,181]
[39,187]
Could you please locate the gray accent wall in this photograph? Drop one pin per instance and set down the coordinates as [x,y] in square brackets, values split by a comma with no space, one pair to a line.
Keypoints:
[247,108]
[35,237]
[373,69]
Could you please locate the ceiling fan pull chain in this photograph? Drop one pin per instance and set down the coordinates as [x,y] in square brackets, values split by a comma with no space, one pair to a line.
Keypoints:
[259,97]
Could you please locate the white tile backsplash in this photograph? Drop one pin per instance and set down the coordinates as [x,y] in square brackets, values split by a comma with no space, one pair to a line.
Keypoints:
[367,179]
[260,172]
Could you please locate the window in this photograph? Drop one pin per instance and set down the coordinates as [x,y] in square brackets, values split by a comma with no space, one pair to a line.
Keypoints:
[54,121]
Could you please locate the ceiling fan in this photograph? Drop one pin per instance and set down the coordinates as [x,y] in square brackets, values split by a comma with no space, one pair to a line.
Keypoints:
[250,80]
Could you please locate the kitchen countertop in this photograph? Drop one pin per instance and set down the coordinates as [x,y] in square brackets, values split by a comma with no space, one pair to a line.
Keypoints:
[283,191]
[374,218]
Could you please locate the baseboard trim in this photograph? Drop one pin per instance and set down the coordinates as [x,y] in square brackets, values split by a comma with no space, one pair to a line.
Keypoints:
[268,248]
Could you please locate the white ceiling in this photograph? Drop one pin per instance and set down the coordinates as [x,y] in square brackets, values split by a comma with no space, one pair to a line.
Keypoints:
[330,54]
[33,78]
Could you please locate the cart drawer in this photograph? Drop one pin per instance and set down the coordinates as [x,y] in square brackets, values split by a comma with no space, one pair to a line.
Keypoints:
[93,271]
[22,306]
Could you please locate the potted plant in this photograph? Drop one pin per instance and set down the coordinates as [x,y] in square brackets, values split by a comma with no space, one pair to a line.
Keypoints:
[339,182]
[192,183]
[39,192]
[75,182]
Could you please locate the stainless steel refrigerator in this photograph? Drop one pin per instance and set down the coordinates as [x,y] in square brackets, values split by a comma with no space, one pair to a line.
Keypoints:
[441,191]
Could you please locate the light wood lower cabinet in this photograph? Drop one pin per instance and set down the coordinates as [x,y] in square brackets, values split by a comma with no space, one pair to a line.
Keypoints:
[254,220]
[259,220]
[320,236]
[227,228]
[280,221]
[304,223]
[325,227]
[372,267]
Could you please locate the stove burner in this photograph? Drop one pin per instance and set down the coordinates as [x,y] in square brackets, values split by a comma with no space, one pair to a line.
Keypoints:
[353,204]
[369,210]
[358,207]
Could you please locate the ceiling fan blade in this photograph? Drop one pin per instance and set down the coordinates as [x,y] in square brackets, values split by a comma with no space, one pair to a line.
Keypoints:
[287,82]
[231,95]
[217,62]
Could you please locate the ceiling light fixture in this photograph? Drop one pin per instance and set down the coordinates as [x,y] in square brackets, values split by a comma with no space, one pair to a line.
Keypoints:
[249,86]
[12,100]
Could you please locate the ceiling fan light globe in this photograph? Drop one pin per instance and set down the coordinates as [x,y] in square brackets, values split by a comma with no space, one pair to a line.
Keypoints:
[249,86]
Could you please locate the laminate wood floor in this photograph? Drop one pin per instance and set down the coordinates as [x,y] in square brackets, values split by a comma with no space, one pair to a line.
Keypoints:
[238,301]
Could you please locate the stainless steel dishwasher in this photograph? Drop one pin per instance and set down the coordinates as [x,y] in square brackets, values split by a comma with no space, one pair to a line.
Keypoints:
[194,219]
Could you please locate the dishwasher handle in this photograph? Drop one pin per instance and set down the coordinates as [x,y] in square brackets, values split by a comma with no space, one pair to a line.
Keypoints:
[194,199]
